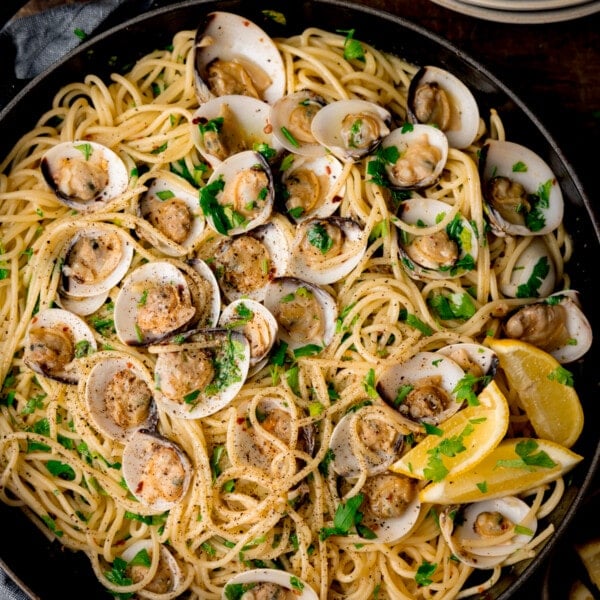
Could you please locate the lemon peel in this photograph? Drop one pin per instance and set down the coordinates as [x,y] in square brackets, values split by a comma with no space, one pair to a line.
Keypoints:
[475,430]
[552,406]
[498,475]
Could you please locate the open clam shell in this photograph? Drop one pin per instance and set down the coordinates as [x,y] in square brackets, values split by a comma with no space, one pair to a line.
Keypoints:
[154,302]
[314,186]
[173,210]
[84,175]
[476,359]
[269,581]
[432,252]
[522,195]
[54,341]
[291,117]
[156,470]
[200,372]
[482,539]
[305,313]
[422,388]
[233,55]
[326,250]
[351,129]
[226,125]
[168,575]
[239,194]
[257,323]
[419,155]
[118,394]
[245,264]
[437,97]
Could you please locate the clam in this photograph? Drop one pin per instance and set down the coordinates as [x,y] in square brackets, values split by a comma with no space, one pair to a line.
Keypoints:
[474,359]
[557,325]
[267,583]
[84,175]
[154,302]
[54,341]
[415,156]
[533,274]
[436,253]
[200,372]
[367,439]
[168,574]
[305,313]
[258,443]
[205,293]
[521,193]
[422,388]
[239,194]
[94,260]
[391,506]
[233,55]
[326,250]
[291,117]
[173,210]
[486,533]
[156,471]
[437,97]
[230,124]
[247,263]
[118,394]
[351,129]
[257,323]
[312,186]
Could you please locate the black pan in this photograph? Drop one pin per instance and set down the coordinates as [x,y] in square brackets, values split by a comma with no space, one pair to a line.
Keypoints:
[45,570]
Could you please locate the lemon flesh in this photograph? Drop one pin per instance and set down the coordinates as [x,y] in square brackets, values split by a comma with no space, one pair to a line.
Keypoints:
[492,477]
[553,408]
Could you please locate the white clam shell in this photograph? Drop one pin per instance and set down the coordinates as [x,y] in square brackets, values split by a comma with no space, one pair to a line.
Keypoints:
[482,356]
[289,582]
[232,266]
[351,455]
[152,489]
[425,213]
[237,189]
[231,37]
[252,118]
[71,286]
[162,190]
[410,141]
[324,312]
[81,306]
[330,186]
[208,298]
[107,365]
[318,266]
[60,158]
[130,298]
[412,372]
[281,115]
[327,127]
[464,112]
[534,260]
[257,323]
[229,351]
[522,165]
[78,330]
[484,553]
[167,560]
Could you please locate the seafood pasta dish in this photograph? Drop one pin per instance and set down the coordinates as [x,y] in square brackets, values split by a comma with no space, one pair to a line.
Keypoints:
[285,318]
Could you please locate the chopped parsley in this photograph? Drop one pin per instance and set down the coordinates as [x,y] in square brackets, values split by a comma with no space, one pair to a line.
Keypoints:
[528,457]
[318,237]
[353,49]
[347,516]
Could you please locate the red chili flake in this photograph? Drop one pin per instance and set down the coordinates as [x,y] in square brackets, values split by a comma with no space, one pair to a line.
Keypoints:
[140,487]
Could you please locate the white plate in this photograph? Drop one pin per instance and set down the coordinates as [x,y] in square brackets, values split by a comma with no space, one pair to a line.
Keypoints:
[525,5]
[522,17]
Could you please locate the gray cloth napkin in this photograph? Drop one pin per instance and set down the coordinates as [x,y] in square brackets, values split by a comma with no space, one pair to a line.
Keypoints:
[9,589]
[42,38]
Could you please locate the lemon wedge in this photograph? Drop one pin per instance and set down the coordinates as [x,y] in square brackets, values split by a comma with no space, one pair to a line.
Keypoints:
[552,406]
[514,466]
[465,439]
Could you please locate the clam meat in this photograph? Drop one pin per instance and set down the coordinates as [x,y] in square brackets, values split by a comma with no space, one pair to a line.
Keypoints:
[265,584]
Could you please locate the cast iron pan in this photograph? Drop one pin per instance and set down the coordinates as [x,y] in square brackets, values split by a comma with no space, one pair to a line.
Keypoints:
[44,569]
